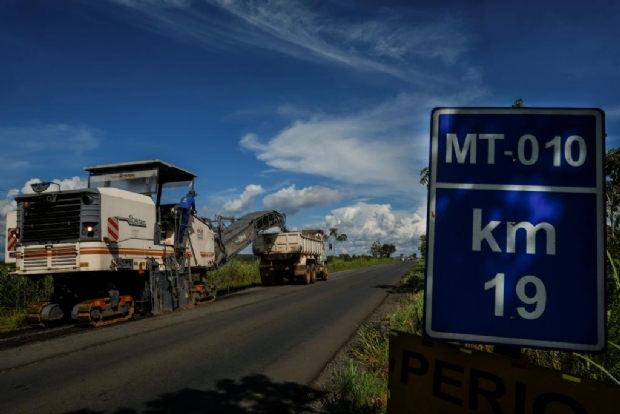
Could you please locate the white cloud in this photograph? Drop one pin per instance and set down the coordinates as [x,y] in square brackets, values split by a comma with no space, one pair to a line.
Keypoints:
[6,204]
[289,200]
[66,184]
[203,211]
[379,43]
[364,223]
[380,149]
[390,38]
[243,202]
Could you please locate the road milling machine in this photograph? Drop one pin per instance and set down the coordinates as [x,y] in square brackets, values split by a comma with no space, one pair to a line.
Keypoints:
[112,250]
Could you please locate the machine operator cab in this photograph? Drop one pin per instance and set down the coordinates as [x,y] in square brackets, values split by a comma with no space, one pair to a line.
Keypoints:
[164,183]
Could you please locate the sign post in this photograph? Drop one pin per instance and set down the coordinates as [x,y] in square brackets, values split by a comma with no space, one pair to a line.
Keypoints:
[516,228]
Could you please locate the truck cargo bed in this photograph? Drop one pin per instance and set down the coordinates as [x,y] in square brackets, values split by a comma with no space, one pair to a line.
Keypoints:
[287,243]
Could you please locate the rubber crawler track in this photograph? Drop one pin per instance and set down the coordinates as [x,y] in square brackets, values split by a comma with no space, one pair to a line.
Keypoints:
[109,321]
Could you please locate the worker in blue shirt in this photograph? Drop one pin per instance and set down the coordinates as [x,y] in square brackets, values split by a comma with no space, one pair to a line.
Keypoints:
[187,205]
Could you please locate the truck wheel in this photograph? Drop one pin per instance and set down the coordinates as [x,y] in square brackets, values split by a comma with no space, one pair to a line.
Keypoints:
[312,274]
[308,277]
[325,273]
[275,278]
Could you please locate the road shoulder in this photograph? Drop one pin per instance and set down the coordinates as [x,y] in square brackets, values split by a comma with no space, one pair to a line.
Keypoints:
[390,304]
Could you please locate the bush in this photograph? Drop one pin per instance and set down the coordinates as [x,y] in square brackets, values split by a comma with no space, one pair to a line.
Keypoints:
[17,294]
[604,367]
[355,390]
[236,274]
[20,292]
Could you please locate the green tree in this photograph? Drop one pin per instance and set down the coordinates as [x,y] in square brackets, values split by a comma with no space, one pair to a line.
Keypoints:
[518,103]
[338,238]
[425,176]
[387,250]
[612,174]
[341,238]
[422,246]
[612,193]
[375,249]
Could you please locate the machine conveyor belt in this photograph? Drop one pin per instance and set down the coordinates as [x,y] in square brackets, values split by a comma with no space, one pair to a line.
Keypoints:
[243,231]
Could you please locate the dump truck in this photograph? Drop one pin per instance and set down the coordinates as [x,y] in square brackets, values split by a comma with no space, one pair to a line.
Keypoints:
[115,248]
[298,256]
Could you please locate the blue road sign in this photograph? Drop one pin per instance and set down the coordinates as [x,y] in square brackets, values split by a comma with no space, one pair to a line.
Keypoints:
[516,228]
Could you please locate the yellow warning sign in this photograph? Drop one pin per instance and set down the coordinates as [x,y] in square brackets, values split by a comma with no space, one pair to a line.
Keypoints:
[429,377]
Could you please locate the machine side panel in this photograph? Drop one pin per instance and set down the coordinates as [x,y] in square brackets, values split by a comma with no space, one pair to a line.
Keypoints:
[201,244]
[126,216]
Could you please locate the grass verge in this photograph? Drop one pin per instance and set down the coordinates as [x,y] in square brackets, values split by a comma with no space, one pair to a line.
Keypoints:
[338,264]
[12,319]
[360,386]
[16,295]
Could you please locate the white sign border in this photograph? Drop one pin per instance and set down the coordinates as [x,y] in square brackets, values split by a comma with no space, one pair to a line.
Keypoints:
[600,225]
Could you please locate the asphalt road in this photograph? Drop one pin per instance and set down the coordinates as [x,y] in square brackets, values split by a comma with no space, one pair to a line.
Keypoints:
[254,351]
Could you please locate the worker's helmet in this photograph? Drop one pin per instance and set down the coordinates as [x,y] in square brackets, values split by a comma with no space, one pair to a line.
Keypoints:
[192,193]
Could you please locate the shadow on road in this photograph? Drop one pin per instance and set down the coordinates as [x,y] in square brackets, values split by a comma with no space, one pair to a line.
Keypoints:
[385,286]
[253,394]
[411,287]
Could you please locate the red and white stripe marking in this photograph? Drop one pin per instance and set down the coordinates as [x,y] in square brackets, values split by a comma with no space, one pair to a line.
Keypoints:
[113,228]
[12,238]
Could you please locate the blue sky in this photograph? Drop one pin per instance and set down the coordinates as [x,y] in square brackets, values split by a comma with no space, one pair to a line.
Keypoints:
[317,109]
